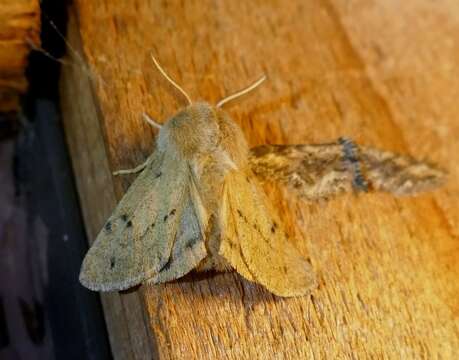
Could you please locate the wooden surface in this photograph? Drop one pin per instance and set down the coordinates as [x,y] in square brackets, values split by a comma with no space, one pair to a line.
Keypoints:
[382,72]
[19,27]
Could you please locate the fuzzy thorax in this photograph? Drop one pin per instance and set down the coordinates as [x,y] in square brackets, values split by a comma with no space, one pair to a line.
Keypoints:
[201,129]
[212,144]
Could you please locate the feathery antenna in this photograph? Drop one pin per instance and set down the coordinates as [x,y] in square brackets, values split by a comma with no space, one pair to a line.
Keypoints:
[241,92]
[161,70]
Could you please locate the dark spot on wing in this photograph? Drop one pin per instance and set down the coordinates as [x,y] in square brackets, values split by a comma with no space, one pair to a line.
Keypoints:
[171,213]
[297,185]
[112,262]
[108,226]
[273,229]
[166,265]
[231,243]
[129,223]
[158,175]
[152,225]
[359,182]
[284,269]
[241,215]
[192,242]
[124,217]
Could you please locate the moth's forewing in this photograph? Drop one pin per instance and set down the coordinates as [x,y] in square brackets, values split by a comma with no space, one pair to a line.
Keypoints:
[265,252]
[137,239]
[189,247]
[323,171]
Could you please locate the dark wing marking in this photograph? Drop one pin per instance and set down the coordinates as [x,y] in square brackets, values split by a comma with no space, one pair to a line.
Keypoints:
[137,239]
[325,170]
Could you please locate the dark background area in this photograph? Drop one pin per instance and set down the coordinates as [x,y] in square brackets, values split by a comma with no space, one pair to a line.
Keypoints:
[44,312]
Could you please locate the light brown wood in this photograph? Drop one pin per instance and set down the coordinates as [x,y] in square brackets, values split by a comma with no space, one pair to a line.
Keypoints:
[19,27]
[384,73]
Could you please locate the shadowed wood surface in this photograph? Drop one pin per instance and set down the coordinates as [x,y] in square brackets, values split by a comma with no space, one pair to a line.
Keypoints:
[383,73]
[19,27]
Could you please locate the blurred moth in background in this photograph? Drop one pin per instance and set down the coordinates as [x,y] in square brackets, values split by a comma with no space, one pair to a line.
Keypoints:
[198,205]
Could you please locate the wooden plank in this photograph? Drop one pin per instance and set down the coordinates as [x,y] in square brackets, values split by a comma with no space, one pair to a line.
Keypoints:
[387,267]
[19,27]
[123,312]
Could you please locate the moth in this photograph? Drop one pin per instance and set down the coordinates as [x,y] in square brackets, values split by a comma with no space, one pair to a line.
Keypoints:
[198,204]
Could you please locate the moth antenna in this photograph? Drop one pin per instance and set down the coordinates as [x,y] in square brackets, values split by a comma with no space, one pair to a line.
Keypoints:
[72,50]
[150,121]
[39,49]
[241,92]
[161,70]
[82,65]
[67,43]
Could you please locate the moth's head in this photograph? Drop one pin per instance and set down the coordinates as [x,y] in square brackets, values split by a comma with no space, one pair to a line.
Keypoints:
[201,127]
[192,130]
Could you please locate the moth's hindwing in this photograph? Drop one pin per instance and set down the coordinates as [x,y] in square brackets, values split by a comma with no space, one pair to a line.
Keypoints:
[137,239]
[263,252]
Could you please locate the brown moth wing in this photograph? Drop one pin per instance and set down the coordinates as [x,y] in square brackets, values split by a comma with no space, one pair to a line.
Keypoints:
[230,245]
[137,239]
[400,175]
[320,171]
[265,250]
[313,171]
[189,248]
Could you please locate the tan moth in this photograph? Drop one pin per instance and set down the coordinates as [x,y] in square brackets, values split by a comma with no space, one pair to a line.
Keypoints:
[197,203]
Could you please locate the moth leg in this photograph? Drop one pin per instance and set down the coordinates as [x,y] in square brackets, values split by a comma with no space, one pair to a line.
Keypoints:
[139,168]
[352,159]
[150,121]
[132,171]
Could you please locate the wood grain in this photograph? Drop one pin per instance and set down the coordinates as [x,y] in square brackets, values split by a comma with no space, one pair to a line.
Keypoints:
[19,27]
[383,73]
